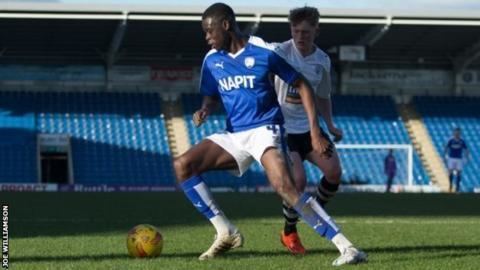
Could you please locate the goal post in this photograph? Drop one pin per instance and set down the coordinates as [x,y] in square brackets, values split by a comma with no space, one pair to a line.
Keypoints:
[364,154]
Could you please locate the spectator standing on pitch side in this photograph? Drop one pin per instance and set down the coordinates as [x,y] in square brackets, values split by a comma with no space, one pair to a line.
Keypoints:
[390,169]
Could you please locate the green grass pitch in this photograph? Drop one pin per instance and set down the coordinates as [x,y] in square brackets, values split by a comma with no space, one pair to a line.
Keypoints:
[88,231]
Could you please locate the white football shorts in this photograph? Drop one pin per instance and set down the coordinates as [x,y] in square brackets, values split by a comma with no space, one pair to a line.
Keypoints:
[249,145]
[455,164]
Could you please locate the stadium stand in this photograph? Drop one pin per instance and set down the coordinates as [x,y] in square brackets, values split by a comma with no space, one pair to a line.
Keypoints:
[371,120]
[117,138]
[17,139]
[364,119]
[441,115]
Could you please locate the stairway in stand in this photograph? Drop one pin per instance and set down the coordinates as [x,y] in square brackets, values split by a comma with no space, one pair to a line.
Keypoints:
[176,127]
[422,142]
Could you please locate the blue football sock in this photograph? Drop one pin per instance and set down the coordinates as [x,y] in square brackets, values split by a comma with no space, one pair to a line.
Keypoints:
[316,217]
[198,193]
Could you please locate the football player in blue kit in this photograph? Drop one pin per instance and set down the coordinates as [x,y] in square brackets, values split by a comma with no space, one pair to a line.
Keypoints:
[237,72]
[454,150]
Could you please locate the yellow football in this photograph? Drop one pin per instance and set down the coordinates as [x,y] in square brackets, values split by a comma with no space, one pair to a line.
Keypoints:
[144,240]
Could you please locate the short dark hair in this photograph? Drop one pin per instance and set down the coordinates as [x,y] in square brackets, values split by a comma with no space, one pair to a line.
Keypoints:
[309,14]
[220,12]
[457,129]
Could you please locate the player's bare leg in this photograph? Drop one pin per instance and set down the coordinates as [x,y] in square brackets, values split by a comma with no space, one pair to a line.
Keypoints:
[188,168]
[332,173]
[206,155]
[298,172]
[278,174]
[289,236]
[280,178]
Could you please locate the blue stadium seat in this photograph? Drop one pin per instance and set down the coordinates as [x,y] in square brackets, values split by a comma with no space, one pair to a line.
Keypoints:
[17,138]
[117,138]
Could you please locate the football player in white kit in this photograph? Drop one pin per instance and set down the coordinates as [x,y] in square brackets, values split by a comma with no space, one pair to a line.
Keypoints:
[302,53]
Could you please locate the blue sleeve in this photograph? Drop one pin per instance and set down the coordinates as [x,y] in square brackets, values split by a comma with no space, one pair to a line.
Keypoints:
[464,145]
[280,67]
[208,85]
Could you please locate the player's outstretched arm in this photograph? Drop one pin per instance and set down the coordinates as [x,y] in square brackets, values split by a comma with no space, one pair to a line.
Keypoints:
[319,143]
[209,104]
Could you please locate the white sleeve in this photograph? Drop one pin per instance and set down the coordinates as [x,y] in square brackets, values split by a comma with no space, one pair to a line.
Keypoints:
[324,88]
[274,44]
[262,43]
[281,50]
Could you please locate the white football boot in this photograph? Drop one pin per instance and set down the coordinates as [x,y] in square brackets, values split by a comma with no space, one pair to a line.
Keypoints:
[222,244]
[350,255]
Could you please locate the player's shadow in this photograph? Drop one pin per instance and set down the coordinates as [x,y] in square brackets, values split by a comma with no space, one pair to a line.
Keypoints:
[474,249]
[237,254]
[433,251]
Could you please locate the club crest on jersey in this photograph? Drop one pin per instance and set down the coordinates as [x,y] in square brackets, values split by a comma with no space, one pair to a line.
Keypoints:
[249,62]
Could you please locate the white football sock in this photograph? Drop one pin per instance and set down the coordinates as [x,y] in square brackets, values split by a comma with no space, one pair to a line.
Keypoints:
[341,242]
[222,224]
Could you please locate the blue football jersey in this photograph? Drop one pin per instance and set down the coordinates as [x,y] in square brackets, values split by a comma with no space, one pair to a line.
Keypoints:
[244,82]
[456,147]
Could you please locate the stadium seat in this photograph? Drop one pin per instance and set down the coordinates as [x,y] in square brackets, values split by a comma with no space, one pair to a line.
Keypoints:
[17,138]
[117,138]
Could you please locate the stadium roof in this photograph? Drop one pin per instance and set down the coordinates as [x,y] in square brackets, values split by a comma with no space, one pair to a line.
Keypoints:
[183,7]
[145,34]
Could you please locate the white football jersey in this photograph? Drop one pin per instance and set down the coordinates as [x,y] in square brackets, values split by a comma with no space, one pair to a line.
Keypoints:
[316,69]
